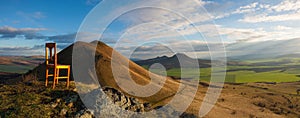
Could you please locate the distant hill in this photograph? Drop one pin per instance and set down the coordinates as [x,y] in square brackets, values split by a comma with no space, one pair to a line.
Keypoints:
[19,64]
[173,62]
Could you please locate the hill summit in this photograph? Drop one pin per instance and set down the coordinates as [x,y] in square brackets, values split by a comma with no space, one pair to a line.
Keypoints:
[104,74]
[179,60]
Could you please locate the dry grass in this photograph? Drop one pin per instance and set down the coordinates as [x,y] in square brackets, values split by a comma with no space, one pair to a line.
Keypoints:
[34,101]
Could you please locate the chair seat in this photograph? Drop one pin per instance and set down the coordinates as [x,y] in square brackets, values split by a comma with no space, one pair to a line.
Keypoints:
[63,66]
[58,66]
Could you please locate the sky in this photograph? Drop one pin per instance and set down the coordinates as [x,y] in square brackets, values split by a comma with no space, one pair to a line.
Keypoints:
[258,28]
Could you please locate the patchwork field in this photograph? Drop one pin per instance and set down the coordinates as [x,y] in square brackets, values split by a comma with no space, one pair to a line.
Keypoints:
[19,64]
[276,70]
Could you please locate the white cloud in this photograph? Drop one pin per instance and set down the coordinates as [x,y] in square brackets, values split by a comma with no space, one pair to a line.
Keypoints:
[38,15]
[271,18]
[152,23]
[287,10]
[29,33]
[259,34]
[242,10]
[286,5]
[280,27]
[256,12]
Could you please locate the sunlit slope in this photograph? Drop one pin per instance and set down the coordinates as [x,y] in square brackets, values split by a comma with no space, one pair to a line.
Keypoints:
[104,74]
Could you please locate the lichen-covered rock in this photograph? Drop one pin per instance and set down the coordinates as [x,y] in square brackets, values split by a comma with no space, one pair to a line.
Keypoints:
[109,102]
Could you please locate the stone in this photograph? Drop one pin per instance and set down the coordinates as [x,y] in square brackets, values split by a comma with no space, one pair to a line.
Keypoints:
[58,100]
[63,112]
[86,114]
[70,105]
[53,105]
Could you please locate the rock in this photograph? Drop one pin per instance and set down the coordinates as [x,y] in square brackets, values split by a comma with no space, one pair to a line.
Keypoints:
[109,102]
[79,113]
[63,112]
[53,105]
[73,98]
[86,114]
[70,105]
[58,100]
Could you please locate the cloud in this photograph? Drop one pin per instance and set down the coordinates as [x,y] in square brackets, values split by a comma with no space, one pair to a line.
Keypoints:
[287,10]
[25,51]
[271,18]
[259,34]
[280,28]
[149,23]
[38,15]
[32,16]
[256,12]
[28,33]
[7,32]
[247,9]
[243,10]
[66,38]
[263,49]
[286,5]
[93,2]
[154,49]
[236,50]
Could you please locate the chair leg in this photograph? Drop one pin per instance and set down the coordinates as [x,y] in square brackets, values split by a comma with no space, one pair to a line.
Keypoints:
[68,79]
[54,78]
[47,77]
[57,76]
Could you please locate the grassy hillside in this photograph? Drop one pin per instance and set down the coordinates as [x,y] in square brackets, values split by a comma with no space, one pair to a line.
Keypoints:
[36,101]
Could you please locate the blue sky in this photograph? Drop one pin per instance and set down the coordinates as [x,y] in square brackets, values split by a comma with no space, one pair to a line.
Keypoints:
[26,25]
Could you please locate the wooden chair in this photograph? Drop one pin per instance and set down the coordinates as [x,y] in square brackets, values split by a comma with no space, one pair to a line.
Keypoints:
[51,63]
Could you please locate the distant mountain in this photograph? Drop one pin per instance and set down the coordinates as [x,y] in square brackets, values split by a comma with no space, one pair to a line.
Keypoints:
[135,59]
[178,60]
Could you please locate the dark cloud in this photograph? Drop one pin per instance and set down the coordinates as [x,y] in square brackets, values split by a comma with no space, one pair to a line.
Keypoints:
[263,49]
[7,32]
[25,51]
[251,38]
[155,48]
[66,38]
[28,33]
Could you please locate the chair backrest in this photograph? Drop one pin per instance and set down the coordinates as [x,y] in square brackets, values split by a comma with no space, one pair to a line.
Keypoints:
[51,57]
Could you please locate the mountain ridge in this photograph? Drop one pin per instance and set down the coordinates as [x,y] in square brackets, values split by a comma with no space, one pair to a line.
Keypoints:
[176,61]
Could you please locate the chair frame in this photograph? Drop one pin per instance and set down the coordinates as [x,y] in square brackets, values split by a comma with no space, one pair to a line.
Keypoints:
[56,67]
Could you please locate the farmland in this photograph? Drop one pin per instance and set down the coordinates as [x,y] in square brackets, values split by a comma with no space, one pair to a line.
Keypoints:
[271,70]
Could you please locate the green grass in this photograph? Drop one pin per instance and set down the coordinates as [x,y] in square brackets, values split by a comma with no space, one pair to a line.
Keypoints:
[272,76]
[35,101]
[288,71]
[295,71]
[239,76]
[15,68]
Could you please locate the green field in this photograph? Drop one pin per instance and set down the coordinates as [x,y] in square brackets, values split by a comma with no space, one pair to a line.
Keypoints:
[266,70]
[237,76]
[19,64]
[15,68]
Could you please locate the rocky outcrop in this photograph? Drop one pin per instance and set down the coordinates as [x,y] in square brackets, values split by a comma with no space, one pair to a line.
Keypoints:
[109,102]
[126,103]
